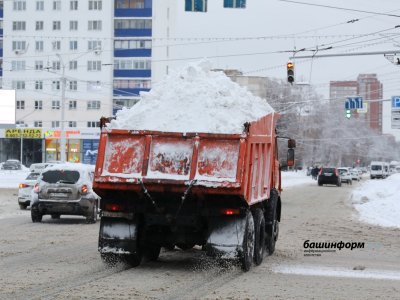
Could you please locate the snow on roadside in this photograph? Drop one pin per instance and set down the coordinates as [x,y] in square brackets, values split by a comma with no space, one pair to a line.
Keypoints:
[378,201]
[292,179]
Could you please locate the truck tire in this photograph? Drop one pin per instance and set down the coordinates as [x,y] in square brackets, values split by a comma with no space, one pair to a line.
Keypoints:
[246,256]
[133,260]
[272,223]
[36,216]
[151,252]
[259,237]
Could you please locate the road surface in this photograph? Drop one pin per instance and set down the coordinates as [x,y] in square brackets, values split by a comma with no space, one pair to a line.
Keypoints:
[58,259]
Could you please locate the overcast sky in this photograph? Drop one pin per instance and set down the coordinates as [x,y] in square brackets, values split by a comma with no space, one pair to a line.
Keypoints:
[310,27]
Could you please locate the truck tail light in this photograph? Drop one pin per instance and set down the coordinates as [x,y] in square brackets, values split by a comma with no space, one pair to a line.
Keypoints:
[36,188]
[84,189]
[230,211]
[114,207]
[23,185]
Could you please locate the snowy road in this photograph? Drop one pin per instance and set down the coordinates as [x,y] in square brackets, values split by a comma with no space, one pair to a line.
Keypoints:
[58,259]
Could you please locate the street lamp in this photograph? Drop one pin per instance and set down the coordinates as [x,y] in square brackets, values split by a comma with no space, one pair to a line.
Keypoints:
[62,133]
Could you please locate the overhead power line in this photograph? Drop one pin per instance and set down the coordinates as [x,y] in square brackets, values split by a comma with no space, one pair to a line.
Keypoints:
[343,8]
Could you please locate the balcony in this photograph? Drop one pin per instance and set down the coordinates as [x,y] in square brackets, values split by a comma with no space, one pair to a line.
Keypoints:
[132,52]
[133,12]
[132,73]
[132,32]
[128,92]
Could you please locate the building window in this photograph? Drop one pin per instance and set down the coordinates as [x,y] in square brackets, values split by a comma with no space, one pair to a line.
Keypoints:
[20,104]
[39,104]
[132,44]
[93,124]
[57,5]
[19,25]
[73,85]
[73,65]
[56,45]
[94,65]
[196,5]
[39,46]
[94,45]
[235,3]
[93,104]
[94,86]
[73,25]
[39,25]
[55,104]
[55,124]
[55,85]
[19,5]
[40,5]
[38,85]
[56,25]
[94,25]
[56,65]
[18,45]
[95,5]
[18,65]
[132,64]
[39,65]
[73,45]
[72,124]
[133,24]
[73,5]
[132,84]
[18,85]
[37,124]
[129,3]
[72,104]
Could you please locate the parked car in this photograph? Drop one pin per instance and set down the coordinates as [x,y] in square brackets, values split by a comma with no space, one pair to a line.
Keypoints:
[25,189]
[345,175]
[65,189]
[12,164]
[329,175]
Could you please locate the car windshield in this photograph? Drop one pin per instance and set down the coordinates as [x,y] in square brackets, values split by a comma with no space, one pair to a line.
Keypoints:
[61,176]
[343,172]
[32,176]
[376,168]
[328,170]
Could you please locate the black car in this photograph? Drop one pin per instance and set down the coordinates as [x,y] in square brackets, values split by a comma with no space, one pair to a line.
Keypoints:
[11,164]
[329,176]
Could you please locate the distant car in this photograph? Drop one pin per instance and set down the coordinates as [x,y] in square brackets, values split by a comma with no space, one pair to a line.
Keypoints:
[355,174]
[25,189]
[345,175]
[65,189]
[11,164]
[329,175]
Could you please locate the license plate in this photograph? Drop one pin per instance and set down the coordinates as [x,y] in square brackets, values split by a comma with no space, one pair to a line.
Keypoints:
[58,195]
[328,174]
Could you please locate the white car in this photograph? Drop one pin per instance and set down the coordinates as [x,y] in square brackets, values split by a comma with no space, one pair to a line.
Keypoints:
[355,174]
[345,175]
[25,189]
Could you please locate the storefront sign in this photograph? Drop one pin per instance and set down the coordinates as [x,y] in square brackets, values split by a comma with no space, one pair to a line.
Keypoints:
[27,133]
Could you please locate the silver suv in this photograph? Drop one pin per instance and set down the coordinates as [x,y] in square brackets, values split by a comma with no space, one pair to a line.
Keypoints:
[65,189]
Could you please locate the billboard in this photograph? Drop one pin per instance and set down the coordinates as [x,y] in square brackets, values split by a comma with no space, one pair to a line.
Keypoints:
[7,108]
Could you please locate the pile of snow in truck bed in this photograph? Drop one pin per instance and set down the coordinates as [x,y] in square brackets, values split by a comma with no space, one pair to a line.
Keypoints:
[195,99]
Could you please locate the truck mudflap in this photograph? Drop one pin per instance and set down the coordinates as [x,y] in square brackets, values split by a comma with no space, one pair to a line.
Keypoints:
[118,236]
[226,237]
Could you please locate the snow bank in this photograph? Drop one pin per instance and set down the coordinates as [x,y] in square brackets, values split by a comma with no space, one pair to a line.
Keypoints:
[291,179]
[194,99]
[378,201]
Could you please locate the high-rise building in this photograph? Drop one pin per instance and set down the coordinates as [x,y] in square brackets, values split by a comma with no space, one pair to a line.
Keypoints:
[367,86]
[103,53]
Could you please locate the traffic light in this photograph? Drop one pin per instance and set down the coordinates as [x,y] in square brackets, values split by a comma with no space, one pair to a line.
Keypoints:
[348,113]
[290,71]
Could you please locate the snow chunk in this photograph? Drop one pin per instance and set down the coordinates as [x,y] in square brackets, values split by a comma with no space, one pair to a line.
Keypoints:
[195,99]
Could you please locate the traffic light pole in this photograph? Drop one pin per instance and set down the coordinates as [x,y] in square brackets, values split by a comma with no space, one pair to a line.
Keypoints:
[393,52]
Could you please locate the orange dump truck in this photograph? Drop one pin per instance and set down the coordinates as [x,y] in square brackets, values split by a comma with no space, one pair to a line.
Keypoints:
[166,189]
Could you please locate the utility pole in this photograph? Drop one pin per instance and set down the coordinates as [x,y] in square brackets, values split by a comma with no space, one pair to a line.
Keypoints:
[62,133]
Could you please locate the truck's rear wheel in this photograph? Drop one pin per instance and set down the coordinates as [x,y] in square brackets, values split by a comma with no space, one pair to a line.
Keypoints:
[133,259]
[259,239]
[272,227]
[151,253]
[246,257]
